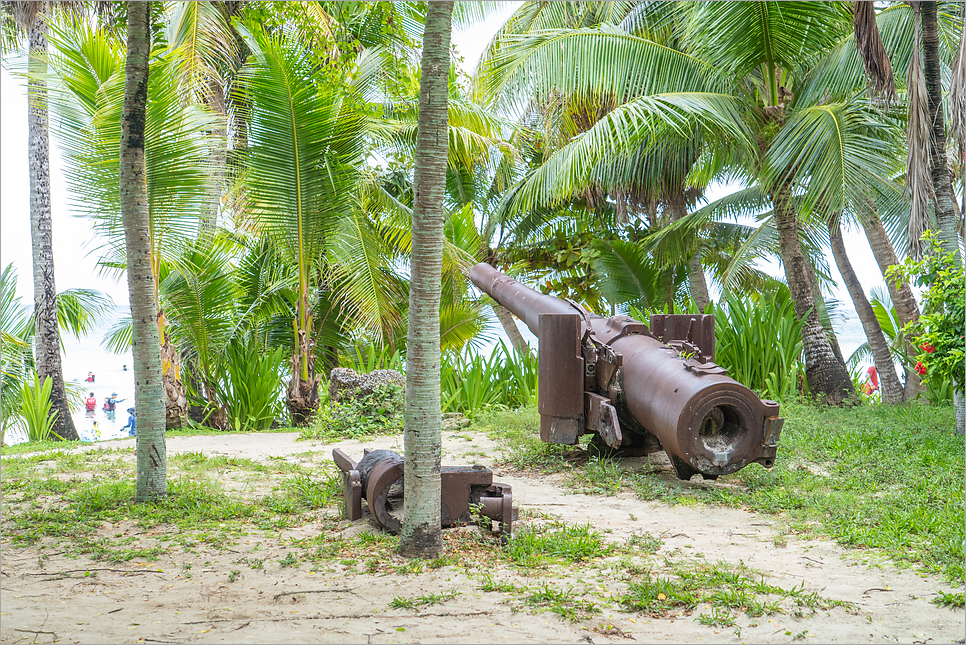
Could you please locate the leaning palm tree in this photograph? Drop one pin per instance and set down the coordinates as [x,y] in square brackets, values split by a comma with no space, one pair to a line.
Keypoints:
[32,17]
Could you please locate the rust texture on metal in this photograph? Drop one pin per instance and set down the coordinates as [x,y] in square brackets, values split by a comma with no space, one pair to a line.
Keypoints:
[466,491]
[641,389]
[560,378]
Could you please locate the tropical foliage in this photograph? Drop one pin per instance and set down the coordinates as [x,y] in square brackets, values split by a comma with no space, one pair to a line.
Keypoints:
[939,335]
[582,153]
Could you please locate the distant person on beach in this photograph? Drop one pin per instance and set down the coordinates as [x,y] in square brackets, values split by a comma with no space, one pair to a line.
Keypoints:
[872,385]
[90,403]
[110,402]
[131,423]
[123,368]
[90,377]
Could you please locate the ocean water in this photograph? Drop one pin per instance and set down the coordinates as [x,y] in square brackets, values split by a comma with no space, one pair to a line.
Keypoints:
[87,355]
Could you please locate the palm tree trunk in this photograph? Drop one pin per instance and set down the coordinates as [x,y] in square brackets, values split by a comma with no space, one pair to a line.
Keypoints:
[510,327]
[903,299]
[148,390]
[947,215]
[421,535]
[697,281]
[820,305]
[47,336]
[826,376]
[891,387]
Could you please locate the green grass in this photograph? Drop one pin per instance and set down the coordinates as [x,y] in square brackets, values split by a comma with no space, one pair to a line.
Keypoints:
[69,496]
[953,600]
[540,545]
[894,479]
[424,600]
[562,602]
[686,584]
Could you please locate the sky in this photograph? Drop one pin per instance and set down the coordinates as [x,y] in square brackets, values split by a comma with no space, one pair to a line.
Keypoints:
[75,249]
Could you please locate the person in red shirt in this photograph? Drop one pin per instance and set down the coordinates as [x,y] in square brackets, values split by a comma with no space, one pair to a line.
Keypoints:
[90,377]
[91,403]
[872,385]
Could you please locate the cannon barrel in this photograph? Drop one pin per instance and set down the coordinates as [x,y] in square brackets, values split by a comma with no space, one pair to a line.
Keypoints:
[526,303]
[639,389]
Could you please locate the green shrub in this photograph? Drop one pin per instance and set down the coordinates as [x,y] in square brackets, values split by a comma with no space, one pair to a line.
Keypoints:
[939,333]
[378,413]
[369,358]
[35,405]
[249,385]
[469,384]
[760,343]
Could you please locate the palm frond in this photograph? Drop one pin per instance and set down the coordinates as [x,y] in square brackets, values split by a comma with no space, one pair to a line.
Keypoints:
[633,128]
[873,52]
[602,63]
[834,152]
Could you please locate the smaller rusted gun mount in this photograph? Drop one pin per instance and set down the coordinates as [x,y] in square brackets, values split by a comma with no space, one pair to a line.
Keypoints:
[462,487]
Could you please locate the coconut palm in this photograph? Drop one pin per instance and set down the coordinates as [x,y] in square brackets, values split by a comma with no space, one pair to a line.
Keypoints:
[423,421]
[32,18]
[304,184]
[88,63]
[133,197]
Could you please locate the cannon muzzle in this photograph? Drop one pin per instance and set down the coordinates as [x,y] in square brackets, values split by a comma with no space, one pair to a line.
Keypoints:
[639,389]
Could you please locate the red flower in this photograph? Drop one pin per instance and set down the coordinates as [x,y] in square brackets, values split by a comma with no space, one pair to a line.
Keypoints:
[920,369]
[929,349]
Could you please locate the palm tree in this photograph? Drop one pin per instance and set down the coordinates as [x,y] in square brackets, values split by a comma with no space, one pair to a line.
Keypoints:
[892,390]
[421,534]
[947,210]
[32,17]
[729,82]
[79,311]
[89,64]
[305,189]
[148,387]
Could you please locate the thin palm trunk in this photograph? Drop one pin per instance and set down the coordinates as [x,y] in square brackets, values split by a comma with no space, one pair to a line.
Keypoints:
[826,375]
[148,389]
[903,299]
[510,327]
[891,387]
[697,281]
[947,215]
[47,333]
[421,535]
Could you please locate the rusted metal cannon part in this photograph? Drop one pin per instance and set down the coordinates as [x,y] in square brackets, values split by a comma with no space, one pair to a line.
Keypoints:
[465,491]
[639,389]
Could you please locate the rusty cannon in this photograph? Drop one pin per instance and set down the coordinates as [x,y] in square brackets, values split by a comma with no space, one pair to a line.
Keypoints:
[639,388]
[467,492]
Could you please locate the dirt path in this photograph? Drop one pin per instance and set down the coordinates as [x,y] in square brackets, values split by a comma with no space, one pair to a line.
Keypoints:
[46,597]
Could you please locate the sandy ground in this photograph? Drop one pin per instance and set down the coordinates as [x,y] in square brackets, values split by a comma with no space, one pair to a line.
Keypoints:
[57,601]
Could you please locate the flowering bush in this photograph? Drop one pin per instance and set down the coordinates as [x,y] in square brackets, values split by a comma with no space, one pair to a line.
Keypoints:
[939,334]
